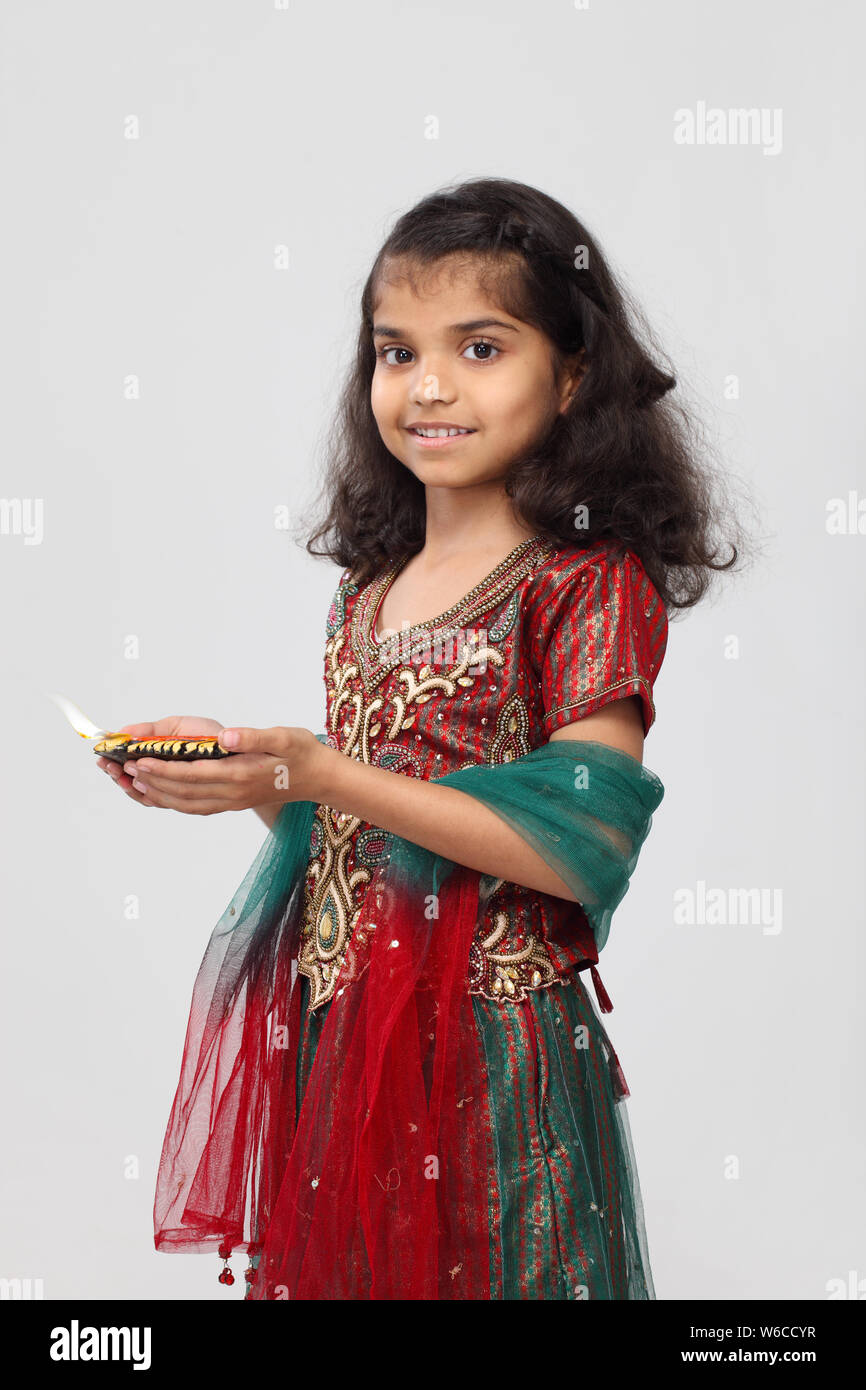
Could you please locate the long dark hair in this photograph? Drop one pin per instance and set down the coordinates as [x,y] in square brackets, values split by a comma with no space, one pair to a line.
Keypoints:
[623,449]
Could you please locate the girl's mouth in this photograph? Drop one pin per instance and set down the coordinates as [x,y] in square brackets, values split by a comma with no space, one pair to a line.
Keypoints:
[436,440]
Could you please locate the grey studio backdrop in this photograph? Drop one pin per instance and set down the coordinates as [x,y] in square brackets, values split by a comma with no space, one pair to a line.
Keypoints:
[194,193]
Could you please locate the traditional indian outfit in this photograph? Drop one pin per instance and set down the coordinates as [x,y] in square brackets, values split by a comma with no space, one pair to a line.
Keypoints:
[394,1082]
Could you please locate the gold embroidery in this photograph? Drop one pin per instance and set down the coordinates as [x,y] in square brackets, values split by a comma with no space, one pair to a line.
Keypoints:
[511,737]
[617,685]
[509,974]
[420,689]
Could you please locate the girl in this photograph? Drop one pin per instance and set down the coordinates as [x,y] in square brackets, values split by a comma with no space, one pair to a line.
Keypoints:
[394,1083]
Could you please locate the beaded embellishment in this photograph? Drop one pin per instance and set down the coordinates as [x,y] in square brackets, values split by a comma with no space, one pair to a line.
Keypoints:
[369,726]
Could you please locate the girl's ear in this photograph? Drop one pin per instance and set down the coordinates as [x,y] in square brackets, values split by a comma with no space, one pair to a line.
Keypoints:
[572,374]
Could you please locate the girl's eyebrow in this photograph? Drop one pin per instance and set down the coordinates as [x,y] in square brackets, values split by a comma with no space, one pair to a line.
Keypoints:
[383,331]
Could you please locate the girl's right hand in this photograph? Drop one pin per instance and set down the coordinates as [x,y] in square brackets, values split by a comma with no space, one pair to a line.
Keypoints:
[174,725]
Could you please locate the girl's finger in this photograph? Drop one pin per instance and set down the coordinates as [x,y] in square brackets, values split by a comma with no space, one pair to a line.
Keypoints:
[190,805]
[198,772]
[181,783]
[125,783]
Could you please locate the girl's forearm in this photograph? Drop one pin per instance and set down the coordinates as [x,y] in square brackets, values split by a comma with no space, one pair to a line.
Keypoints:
[442,819]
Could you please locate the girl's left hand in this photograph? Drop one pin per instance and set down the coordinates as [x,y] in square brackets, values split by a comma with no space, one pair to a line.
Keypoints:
[270,765]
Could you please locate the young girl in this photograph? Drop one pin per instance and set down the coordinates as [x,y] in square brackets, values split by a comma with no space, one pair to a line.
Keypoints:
[395,1084]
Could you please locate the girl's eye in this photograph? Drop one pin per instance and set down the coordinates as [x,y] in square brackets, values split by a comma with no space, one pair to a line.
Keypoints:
[383,353]
[483,343]
[478,343]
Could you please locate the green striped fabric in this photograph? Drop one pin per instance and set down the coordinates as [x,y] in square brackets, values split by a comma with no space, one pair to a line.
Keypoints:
[565,1213]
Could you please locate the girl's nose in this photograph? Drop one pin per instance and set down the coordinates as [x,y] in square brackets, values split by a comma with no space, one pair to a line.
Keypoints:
[430,384]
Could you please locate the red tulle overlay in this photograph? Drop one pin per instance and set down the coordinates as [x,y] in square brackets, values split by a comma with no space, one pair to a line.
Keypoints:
[377,1188]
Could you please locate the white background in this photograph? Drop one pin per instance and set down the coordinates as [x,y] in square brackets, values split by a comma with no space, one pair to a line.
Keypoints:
[307,127]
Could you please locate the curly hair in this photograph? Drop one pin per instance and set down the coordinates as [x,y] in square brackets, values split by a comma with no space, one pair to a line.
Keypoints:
[622,449]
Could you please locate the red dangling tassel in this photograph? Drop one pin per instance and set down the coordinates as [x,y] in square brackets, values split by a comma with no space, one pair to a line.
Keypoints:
[225,1275]
[601,993]
[621,1083]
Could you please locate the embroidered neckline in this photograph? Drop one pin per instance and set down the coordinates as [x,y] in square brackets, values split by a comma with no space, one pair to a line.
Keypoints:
[385,581]
[376,658]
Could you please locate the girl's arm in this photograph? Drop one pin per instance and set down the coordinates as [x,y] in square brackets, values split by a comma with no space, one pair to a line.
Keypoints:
[452,823]
[270,810]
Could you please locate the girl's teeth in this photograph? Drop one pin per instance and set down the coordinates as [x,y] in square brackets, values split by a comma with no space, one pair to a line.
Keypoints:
[439,434]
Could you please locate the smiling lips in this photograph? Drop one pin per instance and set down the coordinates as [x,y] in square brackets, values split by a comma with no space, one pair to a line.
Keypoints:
[435,436]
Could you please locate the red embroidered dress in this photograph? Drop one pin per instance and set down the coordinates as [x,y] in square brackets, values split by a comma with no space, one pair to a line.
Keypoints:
[549,636]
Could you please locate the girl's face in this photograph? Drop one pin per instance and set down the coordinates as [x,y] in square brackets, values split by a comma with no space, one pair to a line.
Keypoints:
[449,356]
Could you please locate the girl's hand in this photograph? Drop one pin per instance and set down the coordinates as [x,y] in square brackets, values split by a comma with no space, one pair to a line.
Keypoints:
[270,765]
[179,725]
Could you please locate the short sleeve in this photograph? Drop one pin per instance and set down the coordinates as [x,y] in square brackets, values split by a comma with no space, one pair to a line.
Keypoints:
[603,634]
